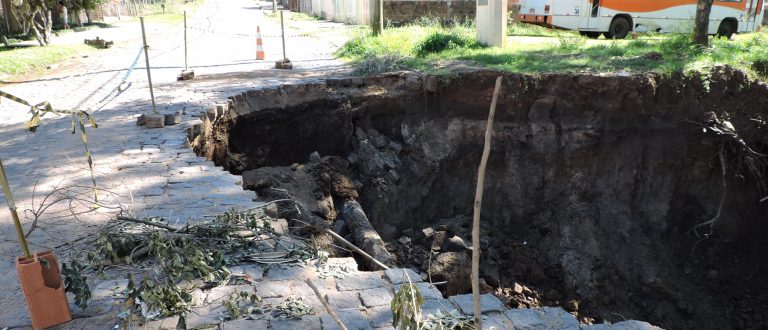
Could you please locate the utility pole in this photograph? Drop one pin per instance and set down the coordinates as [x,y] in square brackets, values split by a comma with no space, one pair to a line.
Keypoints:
[378,17]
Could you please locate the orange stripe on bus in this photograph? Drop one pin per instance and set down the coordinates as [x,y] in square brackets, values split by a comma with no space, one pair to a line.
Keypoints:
[647,6]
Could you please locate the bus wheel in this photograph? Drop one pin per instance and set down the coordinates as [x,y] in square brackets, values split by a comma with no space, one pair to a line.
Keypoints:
[619,28]
[726,30]
[590,34]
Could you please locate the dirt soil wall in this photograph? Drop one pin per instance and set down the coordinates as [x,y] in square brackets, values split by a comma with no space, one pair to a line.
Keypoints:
[592,188]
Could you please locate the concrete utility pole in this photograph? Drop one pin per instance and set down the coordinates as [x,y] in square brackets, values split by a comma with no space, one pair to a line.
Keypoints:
[491,20]
[378,17]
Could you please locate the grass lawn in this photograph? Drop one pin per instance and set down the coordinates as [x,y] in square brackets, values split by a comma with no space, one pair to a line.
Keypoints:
[289,16]
[424,47]
[35,59]
[173,13]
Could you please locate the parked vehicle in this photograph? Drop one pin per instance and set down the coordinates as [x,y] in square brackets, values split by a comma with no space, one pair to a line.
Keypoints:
[618,18]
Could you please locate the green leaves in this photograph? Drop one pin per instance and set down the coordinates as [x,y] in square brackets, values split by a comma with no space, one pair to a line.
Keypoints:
[450,320]
[161,300]
[292,307]
[243,304]
[406,307]
[76,283]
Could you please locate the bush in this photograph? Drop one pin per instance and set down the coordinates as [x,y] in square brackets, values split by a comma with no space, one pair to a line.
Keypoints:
[438,41]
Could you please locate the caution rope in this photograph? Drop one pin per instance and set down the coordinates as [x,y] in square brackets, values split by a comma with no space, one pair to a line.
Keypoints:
[247,35]
[78,116]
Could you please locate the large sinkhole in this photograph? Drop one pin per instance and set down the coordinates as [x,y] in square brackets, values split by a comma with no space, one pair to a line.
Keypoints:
[593,193]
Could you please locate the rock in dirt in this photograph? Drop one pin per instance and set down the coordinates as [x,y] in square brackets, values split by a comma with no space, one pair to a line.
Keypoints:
[517,288]
[572,305]
[455,268]
[314,157]
[380,141]
[454,244]
[255,180]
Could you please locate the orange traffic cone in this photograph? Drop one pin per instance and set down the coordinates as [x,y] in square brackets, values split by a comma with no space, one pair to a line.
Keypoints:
[259,44]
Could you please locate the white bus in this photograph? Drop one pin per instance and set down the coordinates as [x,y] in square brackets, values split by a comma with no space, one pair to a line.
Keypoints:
[617,18]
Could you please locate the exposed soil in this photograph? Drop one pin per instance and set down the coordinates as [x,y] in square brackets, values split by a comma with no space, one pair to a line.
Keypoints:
[592,187]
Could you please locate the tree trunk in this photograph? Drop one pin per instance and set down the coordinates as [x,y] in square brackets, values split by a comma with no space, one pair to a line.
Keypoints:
[11,15]
[701,29]
[48,26]
[88,17]
[34,27]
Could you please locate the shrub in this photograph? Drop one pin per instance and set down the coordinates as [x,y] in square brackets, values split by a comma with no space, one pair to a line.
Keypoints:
[439,41]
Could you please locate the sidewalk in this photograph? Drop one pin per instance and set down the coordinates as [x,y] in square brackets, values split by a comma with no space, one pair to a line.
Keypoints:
[151,171]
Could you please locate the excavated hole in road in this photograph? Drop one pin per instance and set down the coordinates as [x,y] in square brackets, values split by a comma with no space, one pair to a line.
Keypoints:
[592,187]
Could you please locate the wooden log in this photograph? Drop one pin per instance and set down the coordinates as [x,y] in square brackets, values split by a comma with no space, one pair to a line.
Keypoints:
[363,233]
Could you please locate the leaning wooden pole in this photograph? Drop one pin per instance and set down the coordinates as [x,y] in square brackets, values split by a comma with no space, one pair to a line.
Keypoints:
[328,307]
[478,201]
[12,208]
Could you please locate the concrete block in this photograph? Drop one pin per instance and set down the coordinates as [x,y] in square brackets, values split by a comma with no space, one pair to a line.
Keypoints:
[542,318]
[243,324]
[428,291]
[344,300]
[488,303]
[278,273]
[432,306]
[376,297]
[361,281]
[154,121]
[173,118]
[305,322]
[397,275]
[380,316]
[497,321]
[353,319]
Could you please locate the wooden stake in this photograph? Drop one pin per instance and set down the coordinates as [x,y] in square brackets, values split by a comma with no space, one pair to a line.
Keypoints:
[146,57]
[325,304]
[478,202]
[14,215]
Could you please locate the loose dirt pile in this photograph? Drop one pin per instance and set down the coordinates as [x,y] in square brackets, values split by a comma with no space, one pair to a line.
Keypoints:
[592,190]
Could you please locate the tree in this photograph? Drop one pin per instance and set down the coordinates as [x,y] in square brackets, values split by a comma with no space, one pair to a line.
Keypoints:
[12,22]
[701,27]
[25,16]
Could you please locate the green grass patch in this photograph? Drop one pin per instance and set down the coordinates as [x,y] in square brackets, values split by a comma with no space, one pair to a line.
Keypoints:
[34,59]
[289,16]
[172,13]
[427,47]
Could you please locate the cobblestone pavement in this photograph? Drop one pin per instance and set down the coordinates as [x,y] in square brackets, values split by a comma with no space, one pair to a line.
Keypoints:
[150,172]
